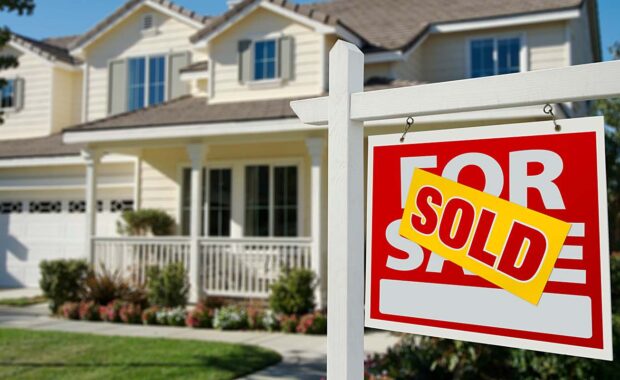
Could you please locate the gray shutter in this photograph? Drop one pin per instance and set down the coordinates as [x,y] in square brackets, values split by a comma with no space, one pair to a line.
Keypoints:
[244,49]
[117,87]
[286,58]
[19,90]
[176,87]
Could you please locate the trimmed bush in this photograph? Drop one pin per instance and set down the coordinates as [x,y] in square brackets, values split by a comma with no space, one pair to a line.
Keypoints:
[293,293]
[144,222]
[71,310]
[89,311]
[111,312]
[168,287]
[62,281]
[200,317]
[149,316]
[315,323]
[288,323]
[130,313]
[230,318]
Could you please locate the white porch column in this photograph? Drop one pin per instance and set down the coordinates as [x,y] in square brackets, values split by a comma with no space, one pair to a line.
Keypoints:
[315,149]
[196,153]
[91,159]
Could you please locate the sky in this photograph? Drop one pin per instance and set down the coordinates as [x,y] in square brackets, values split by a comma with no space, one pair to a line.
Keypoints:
[66,17]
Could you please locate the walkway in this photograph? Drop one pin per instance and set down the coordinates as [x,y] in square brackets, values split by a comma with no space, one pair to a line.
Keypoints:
[304,356]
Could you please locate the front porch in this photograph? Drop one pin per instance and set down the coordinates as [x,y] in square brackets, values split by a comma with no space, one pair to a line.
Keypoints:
[245,212]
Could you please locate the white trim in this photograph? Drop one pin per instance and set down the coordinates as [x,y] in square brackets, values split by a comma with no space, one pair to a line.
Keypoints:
[171,13]
[500,22]
[194,75]
[395,55]
[85,90]
[592,124]
[58,161]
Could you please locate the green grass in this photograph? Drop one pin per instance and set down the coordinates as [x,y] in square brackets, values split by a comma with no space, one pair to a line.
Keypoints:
[28,354]
[23,301]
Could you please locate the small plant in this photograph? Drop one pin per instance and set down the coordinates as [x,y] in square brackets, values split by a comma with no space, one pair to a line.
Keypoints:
[62,281]
[314,323]
[89,311]
[149,316]
[293,293]
[168,287]
[71,310]
[130,313]
[230,318]
[144,222]
[104,287]
[200,317]
[288,323]
[270,321]
[111,312]
[255,317]
[171,316]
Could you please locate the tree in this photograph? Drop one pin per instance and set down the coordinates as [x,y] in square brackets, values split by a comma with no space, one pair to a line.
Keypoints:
[21,7]
[610,108]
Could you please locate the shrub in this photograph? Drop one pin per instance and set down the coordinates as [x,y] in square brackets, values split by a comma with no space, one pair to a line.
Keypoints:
[149,316]
[255,317]
[71,310]
[62,280]
[171,317]
[89,311]
[230,318]
[104,287]
[270,321]
[111,312]
[145,221]
[293,293]
[130,313]
[200,317]
[288,323]
[315,323]
[168,287]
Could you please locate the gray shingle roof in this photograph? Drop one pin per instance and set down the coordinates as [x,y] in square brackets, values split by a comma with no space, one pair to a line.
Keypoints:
[46,49]
[196,67]
[48,146]
[396,24]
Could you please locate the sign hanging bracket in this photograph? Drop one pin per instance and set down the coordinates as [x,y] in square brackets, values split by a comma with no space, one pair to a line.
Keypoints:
[548,109]
[409,122]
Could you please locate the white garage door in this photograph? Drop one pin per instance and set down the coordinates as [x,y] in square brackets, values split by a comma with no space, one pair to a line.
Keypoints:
[32,231]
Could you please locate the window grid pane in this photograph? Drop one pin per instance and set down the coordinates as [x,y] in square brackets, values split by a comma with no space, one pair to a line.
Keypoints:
[285,201]
[482,58]
[265,60]
[508,51]
[137,71]
[257,201]
[157,79]
[8,94]
[219,202]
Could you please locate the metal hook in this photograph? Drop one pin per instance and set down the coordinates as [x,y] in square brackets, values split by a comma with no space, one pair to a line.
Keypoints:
[548,109]
[410,122]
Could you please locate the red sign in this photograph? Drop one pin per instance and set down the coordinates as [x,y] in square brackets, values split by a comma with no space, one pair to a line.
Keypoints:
[560,174]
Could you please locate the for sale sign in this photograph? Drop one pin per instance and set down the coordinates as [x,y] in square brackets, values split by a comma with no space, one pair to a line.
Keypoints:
[494,234]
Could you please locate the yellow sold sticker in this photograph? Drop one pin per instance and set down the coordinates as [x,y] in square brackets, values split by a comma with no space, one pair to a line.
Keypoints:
[507,244]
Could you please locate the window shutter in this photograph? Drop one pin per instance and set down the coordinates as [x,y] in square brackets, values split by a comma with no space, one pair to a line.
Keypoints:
[286,58]
[19,90]
[176,87]
[117,88]
[244,49]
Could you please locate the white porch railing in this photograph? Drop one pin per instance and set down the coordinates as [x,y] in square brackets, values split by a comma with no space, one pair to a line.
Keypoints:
[248,267]
[131,256]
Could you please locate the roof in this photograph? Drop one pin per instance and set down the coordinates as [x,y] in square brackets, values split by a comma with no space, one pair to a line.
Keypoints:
[196,67]
[397,24]
[49,49]
[48,146]
[196,110]
[129,6]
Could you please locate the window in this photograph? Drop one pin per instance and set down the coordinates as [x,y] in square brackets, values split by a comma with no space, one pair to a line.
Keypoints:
[220,203]
[141,92]
[271,201]
[265,58]
[493,56]
[8,95]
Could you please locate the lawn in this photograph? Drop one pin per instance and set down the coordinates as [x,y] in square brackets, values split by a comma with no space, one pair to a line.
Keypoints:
[23,301]
[28,354]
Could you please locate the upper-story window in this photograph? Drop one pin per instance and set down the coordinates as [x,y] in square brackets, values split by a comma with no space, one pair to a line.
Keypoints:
[494,56]
[8,95]
[265,59]
[146,89]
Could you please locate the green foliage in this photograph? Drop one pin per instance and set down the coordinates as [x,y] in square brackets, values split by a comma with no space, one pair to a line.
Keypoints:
[104,287]
[314,323]
[62,281]
[230,318]
[293,293]
[145,221]
[168,287]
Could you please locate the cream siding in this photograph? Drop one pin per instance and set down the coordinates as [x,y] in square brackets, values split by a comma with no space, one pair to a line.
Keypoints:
[127,40]
[33,120]
[66,99]
[263,24]
[411,67]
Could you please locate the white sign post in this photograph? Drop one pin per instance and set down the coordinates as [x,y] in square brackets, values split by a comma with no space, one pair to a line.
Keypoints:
[345,110]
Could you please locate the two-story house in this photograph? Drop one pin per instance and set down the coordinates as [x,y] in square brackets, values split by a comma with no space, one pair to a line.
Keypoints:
[157,107]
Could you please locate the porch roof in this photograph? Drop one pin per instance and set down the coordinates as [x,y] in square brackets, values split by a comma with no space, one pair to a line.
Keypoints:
[48,146]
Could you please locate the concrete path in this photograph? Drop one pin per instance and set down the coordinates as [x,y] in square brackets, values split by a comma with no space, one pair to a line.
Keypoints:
[304,356]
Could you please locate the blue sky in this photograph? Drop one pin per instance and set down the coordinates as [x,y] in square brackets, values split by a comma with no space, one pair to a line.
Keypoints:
[64,17]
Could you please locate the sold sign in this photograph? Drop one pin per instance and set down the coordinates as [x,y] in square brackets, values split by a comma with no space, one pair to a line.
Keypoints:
[505,243]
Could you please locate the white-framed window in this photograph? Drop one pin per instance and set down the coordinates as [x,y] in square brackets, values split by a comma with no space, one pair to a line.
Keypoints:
[146,81]
[495,56]
[7,95]
[265,59]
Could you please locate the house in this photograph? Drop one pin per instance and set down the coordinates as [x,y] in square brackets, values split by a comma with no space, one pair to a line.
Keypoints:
[158,107]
